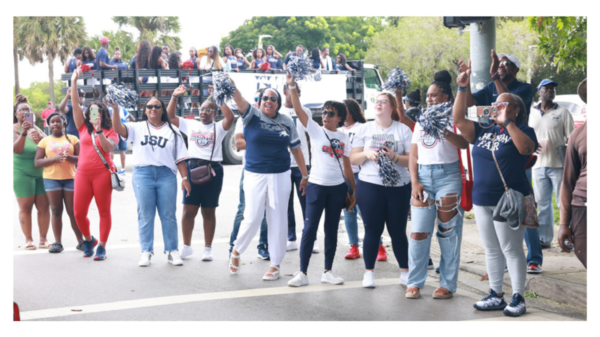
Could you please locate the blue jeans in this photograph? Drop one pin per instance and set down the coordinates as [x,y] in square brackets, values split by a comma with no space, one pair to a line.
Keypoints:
[545,180]
[296,179]
[240,216]
[155,187]
[532,239]
[439,180]
[351,221]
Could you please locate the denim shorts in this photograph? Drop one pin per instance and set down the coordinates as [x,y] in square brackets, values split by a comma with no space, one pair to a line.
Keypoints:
[122,145]
[59,185]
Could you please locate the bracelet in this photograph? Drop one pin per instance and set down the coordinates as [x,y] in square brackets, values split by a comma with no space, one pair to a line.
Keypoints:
[99,132]
[184,178]
[294,87]
[462,88]
[305,177]
[495,76]
[23,134]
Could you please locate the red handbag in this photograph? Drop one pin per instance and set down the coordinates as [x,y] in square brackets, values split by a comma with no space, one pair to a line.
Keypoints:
[466,200]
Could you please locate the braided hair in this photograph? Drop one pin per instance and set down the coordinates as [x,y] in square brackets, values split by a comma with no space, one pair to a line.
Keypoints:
[442,80]
[64,120]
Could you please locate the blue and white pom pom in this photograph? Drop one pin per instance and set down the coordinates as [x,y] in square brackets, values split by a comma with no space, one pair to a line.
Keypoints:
[121,96]
[301,68]
[396,79]
[436,119]
[390,176]
[223,89]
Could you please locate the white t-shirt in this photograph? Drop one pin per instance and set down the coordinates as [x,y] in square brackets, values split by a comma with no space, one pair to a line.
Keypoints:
[205,63]
[325,169]
[155,147]
[301,133]
[433,151]
[351,131]
[552,130]
[371,136]
[201,138]
[239,129]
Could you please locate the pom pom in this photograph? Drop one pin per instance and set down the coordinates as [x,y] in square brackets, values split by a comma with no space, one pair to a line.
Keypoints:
[188,65]
[301,68]
[86,68]
[396,79]
[390,176]
[436,119]
[265,66]
[223,89]
[121,95]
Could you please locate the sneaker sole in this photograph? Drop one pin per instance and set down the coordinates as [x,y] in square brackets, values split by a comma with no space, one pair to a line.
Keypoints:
[489,309]
[533,271]
[100,259]
[332,282]
[175,264]
[352,258]
[370,286]
[263,257]
[144,265]
[207,259]
[297,285]
[511,314]
[272,278]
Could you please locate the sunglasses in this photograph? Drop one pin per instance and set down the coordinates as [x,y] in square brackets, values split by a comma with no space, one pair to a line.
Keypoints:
[329,113]
[507,63]
[266,98]
[207,111]
[500,105]
[157,107]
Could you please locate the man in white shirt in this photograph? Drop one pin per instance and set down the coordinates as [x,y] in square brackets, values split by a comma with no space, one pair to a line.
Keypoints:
[327,60]
[553,125]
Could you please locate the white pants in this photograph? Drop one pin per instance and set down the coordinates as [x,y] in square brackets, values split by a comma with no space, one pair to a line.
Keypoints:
[503,246]
[270,191]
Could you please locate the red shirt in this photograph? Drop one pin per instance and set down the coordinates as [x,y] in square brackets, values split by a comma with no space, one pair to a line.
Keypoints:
[47,113]
[89,161]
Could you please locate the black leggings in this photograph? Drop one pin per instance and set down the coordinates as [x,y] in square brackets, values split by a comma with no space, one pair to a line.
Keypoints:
[382,205]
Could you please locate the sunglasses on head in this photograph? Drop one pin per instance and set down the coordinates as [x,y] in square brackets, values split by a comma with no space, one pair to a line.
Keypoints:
[329,113]
[507,63]
[266,98]
[156,106]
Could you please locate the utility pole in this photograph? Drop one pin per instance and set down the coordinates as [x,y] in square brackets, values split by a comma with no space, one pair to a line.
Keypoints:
[483,40]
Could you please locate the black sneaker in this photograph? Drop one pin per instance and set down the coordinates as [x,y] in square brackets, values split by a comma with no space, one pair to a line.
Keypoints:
[430,264]
[491,302]
[534,268]
[56,247]
[263,252]
[516,307]
[545,245]
[79,246]
[437,270]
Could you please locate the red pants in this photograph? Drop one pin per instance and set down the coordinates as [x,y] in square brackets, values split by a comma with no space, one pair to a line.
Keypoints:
[97,186]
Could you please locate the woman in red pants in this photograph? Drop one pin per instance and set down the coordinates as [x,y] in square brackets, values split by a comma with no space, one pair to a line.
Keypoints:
[92,179]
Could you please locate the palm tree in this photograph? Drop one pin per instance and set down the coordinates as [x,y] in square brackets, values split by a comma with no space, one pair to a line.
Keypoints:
[17,55]
[155,29]
[49,36]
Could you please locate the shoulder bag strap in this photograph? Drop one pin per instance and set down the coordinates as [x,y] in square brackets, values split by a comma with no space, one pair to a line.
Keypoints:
[99,153]
[214,143]
[496,161]
[469,167]
[335,154]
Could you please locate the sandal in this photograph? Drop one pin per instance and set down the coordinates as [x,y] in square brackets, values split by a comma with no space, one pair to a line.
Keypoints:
[231,265]
[412,292]
[274,275]
[30,246]
[445,294]
[45,245]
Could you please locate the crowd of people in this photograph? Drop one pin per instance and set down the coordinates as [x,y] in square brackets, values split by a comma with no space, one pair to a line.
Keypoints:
[382,169]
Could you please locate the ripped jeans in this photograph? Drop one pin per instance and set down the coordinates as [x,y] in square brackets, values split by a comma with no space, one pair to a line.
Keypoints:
[155,187]
[444,185]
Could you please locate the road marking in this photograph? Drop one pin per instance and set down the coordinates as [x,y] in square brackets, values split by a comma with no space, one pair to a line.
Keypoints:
[169,300]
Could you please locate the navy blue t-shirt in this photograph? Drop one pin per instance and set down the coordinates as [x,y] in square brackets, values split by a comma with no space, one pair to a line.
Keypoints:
[132,63]
[488,94]
[272,62]
[102,56]
[71,128]
[487,184]
[232,62]
[120,64]
[241,64]
[267,141]
[72,65]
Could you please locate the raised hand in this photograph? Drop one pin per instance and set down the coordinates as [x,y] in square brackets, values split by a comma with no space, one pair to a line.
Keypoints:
[495,63]
[463,78]
[97,123]
[182,89]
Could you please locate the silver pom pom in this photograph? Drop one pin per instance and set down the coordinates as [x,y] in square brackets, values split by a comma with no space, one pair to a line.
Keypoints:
[301,68]
[223,89]
[436,119]
[121,95]
[396,79]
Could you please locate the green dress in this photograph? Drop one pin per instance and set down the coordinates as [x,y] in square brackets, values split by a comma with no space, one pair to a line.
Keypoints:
[27,179]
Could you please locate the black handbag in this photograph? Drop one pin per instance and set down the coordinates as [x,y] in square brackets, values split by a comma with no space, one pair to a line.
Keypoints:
[202,175]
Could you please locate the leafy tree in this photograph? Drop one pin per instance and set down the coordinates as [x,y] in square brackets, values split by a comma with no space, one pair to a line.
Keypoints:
[514,37]
[563,40]
[49,37]
[38,94]
[156,29]
[568,79]
[122,39]
[349,35]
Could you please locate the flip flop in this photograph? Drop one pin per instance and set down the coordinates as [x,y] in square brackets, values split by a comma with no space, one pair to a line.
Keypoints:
[46,245]
[30,246]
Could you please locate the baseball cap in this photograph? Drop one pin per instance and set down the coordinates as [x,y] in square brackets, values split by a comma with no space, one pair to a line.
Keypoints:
[511,58]
[546,81]
[104,39]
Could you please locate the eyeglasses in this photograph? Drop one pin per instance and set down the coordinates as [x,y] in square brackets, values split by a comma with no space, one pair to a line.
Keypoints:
[507,63]
[329,113]
[385,101]
[207,111]
[500,105]
[24,110]
[157,107]
[266,98]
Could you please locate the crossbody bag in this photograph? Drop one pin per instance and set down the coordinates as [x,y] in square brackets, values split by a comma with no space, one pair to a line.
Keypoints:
[117,182]
[466,200]
[350,192]
[202,175]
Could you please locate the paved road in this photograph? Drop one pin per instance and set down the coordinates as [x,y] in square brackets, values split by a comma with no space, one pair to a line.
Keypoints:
[68,287]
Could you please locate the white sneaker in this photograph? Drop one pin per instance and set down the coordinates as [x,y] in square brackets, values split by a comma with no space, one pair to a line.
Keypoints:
[207,255]
[299,280]
[145,259]
[403,278]
[291,245]
[316,248]
[369,280]
[330,277]
[186,251]
[174,259]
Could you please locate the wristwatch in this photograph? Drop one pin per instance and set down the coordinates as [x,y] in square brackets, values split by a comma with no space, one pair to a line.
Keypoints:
[305,177]
[99,132]
[508,121]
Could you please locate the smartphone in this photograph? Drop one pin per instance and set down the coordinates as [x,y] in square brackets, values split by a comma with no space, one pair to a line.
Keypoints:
[29,117]
[93,113]
[425,196]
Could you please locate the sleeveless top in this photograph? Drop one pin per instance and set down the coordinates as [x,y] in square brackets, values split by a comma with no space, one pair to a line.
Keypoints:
[272,61]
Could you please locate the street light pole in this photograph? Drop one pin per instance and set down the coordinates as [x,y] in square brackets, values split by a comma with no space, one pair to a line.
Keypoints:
[483,40]
[260,37]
